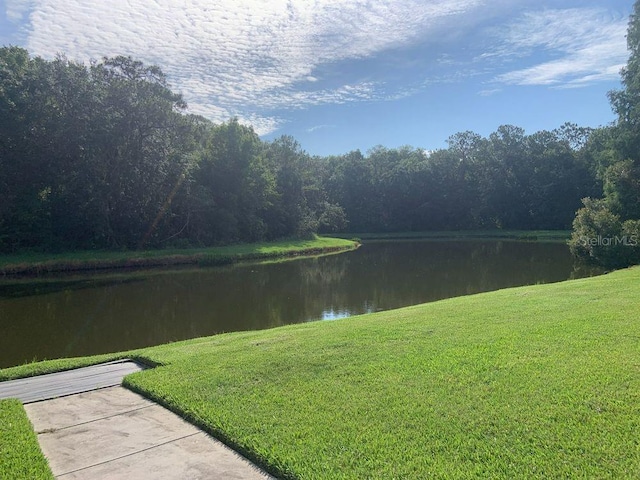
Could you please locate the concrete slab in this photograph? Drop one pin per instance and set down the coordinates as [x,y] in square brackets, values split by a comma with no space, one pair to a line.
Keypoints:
[100,441]
[87,407]
[115,433]
[53,385]
[194,457]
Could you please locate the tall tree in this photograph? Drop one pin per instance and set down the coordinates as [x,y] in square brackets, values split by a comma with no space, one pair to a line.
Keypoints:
[620,172]
[286,160]
[138,172]
[622,179]
[232,186]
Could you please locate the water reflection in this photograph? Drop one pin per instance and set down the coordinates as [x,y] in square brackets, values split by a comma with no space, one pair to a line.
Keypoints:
[70,316]
[332,314]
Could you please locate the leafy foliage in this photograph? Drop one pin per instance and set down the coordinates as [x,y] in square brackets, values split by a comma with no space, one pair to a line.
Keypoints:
[598,235]
[105,157]
[606,231]
[509,180]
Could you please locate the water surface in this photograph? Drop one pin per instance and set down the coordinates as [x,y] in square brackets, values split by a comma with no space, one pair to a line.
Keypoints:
[66,316]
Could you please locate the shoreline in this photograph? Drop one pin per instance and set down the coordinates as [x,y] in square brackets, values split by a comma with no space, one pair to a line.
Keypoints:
[105,261]
[517,235]
[493,365]
[31,265]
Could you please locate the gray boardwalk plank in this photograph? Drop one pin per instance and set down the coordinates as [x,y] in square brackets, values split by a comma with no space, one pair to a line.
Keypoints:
[53,385]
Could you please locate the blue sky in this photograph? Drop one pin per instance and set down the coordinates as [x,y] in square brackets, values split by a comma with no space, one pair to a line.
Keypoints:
[341,75]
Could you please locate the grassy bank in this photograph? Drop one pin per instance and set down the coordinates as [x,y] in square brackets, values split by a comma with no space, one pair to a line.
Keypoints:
[523,235]
[35,263]
[531,382]
[20,455]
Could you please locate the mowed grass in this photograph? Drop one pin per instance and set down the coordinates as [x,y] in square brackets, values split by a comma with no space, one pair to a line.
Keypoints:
[20,454]
[31,263]
[532,382]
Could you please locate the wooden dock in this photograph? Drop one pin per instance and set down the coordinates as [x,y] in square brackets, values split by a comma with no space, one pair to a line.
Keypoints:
[70,382]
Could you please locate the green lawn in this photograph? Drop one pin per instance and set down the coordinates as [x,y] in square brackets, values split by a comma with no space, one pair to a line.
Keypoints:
[531,382]
[85,260]
[20,455]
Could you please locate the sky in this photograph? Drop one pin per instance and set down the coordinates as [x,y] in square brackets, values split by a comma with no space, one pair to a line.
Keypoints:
[340,75]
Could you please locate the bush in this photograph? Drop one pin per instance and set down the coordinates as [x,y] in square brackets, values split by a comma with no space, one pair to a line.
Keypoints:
[601,237]
[631,231]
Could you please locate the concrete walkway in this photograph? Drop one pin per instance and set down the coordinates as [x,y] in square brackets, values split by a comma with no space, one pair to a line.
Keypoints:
[113,433]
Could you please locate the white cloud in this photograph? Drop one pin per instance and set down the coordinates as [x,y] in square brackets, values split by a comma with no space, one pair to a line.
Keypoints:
[15,9]
[229,56]
[318,127]
[589,46]
[488,92]
[259,59]
[262,125]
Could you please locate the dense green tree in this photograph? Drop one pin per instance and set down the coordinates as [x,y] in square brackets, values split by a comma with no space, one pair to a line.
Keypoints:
[301,206]
[617,216]
[349,184]
[38,148]
[622,189]
[286,160]
[558,181]
[232,188]
[91,154]
[509,180]
[626,102]
[139,171]
[622,174]
[600,236]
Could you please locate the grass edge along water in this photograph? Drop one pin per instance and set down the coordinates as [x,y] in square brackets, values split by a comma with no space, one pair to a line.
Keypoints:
[529,382]
[37,263]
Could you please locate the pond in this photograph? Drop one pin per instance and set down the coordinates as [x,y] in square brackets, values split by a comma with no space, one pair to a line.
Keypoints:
[65,316]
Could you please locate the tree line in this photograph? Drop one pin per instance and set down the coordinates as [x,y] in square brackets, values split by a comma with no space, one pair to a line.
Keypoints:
[509,180]
[105,156]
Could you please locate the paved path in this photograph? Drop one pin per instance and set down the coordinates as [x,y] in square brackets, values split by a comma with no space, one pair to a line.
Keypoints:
[113,433]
